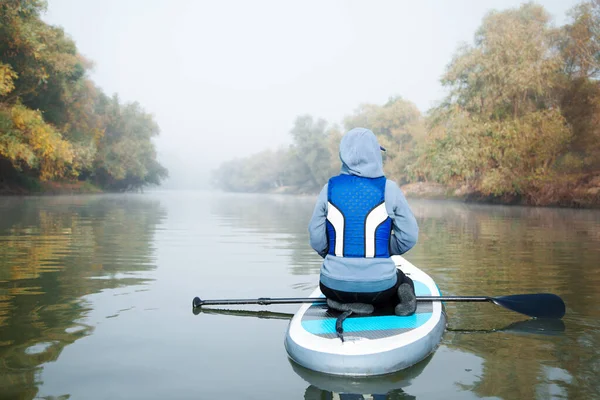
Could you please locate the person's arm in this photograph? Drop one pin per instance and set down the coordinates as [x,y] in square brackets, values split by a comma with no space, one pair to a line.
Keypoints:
[404,224]
[317,228]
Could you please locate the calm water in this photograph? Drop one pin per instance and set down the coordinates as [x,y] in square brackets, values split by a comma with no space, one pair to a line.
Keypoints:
[95,299]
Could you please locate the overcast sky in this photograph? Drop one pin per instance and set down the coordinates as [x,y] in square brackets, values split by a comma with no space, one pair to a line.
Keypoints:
[227,78]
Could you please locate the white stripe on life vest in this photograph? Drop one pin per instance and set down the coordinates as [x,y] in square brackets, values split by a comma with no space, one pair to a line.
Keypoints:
[336,219]
[374,219]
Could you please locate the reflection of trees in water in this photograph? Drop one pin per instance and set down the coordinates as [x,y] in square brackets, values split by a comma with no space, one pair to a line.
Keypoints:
[491,250]
[495,249]
[278,218]
[515,366]
[50,249]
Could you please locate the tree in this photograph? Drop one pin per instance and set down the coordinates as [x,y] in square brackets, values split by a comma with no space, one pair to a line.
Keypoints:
[126,157]
[510,69]
[310,147]
[501,129]
[580,41]
[579,46]
[398,126]
[54,122]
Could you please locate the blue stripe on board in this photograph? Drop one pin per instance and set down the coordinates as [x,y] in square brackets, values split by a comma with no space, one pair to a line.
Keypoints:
[421,289]
[383,322]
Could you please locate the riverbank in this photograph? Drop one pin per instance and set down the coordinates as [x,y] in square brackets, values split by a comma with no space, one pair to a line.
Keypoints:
[35,188]
[581,192]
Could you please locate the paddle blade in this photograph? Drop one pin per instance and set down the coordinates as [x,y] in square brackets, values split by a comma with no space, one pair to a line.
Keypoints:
[539,305]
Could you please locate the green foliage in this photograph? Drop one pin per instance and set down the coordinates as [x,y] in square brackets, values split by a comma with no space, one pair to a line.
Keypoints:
[125,159]
[450,152]
[75,132]
[399,127]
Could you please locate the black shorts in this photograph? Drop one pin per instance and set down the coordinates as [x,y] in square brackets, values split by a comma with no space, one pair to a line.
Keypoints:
[382,298]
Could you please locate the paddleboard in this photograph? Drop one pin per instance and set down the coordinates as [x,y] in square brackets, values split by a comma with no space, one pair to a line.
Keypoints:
[375,344]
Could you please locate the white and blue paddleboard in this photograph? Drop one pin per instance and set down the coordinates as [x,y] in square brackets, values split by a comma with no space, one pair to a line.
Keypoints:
[374,344]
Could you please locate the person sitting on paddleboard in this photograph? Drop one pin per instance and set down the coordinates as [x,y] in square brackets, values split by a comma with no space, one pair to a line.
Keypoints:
[360,220]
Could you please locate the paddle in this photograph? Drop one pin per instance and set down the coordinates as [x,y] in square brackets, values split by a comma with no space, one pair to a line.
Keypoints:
[538,305]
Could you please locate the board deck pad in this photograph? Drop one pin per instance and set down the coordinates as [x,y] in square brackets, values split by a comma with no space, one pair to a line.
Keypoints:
[320,320]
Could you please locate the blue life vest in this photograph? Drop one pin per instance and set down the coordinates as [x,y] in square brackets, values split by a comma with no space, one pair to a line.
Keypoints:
[358,224]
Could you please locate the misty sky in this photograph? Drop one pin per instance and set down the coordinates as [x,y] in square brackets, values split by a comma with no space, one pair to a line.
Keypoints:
[225,79]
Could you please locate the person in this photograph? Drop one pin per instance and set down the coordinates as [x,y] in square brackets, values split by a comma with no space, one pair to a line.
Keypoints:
[360,220]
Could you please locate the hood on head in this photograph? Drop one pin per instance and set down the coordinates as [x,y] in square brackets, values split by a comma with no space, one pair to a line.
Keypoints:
[360,154]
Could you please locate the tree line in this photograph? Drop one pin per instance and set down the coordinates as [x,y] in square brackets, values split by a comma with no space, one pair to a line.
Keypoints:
[521,120]
[55,124]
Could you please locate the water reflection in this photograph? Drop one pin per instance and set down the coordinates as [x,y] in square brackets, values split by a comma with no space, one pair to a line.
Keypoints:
[491,250]
[281,220]
[57,254]
[498,249]
[50,249]
[385,387]
[454,363]
[549,327]
[261,314]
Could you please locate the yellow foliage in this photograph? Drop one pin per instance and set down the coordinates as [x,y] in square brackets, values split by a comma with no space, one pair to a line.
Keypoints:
[522,152]
[36,144]
[59,130]
[7,76]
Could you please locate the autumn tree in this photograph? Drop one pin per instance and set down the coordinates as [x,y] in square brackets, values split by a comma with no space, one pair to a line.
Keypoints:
[501,128]
[55,124]
[579,91]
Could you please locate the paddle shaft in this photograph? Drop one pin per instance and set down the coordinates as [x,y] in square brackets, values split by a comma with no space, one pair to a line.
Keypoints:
[295,300]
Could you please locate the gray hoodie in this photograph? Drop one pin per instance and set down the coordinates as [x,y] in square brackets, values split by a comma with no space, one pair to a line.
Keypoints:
[360,154]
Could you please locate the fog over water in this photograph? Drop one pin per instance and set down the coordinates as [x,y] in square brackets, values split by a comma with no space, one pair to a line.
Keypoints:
[227,79]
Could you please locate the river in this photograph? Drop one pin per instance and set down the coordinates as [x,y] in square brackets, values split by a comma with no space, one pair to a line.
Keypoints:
[96,291]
